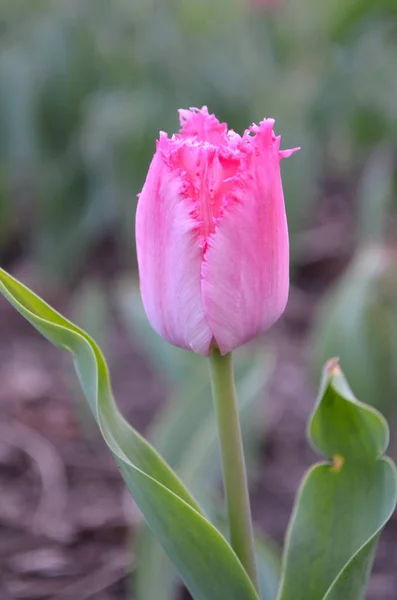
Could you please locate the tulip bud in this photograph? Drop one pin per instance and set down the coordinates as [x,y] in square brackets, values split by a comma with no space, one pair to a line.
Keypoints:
[211,234]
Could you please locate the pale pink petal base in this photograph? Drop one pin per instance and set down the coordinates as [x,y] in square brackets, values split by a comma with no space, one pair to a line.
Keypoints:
[169,258]
[245,276]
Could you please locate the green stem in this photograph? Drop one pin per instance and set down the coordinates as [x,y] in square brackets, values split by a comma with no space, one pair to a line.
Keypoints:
[233,464]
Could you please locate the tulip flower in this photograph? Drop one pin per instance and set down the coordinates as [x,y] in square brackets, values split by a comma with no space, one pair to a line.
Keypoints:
[211,232]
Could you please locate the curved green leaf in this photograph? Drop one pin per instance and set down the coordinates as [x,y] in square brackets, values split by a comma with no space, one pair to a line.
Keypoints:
[342,505]
[205,561]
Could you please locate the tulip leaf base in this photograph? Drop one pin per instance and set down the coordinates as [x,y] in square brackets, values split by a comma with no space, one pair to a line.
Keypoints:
[342,504]
[202,556]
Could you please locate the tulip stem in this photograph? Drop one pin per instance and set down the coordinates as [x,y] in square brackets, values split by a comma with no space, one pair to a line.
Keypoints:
[233,463]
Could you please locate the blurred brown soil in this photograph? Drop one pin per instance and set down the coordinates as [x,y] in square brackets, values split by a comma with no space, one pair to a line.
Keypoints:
[66,520]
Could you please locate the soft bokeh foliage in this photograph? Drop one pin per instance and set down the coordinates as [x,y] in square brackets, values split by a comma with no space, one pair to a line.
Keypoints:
[86,85]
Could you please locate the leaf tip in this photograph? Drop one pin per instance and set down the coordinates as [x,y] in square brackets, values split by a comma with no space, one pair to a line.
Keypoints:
[332,367]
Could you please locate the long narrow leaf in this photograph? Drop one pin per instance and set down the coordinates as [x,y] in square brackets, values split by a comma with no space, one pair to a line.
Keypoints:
[205,561]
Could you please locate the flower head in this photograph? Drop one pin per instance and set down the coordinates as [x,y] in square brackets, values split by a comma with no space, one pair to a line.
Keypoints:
[211,232]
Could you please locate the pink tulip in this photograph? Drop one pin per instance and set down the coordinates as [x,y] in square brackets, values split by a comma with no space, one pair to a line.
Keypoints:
[211,233]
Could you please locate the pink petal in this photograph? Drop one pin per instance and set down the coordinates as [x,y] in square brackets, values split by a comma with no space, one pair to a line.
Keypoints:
[288,153]
[200,125]
[169,258]
[207,174]
[245,273]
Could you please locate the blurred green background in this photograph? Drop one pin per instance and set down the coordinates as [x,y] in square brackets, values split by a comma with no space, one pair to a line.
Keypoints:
[85,87]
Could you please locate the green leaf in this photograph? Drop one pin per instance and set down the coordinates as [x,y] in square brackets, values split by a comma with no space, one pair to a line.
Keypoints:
[343,504]
[205,561]
[154,576]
